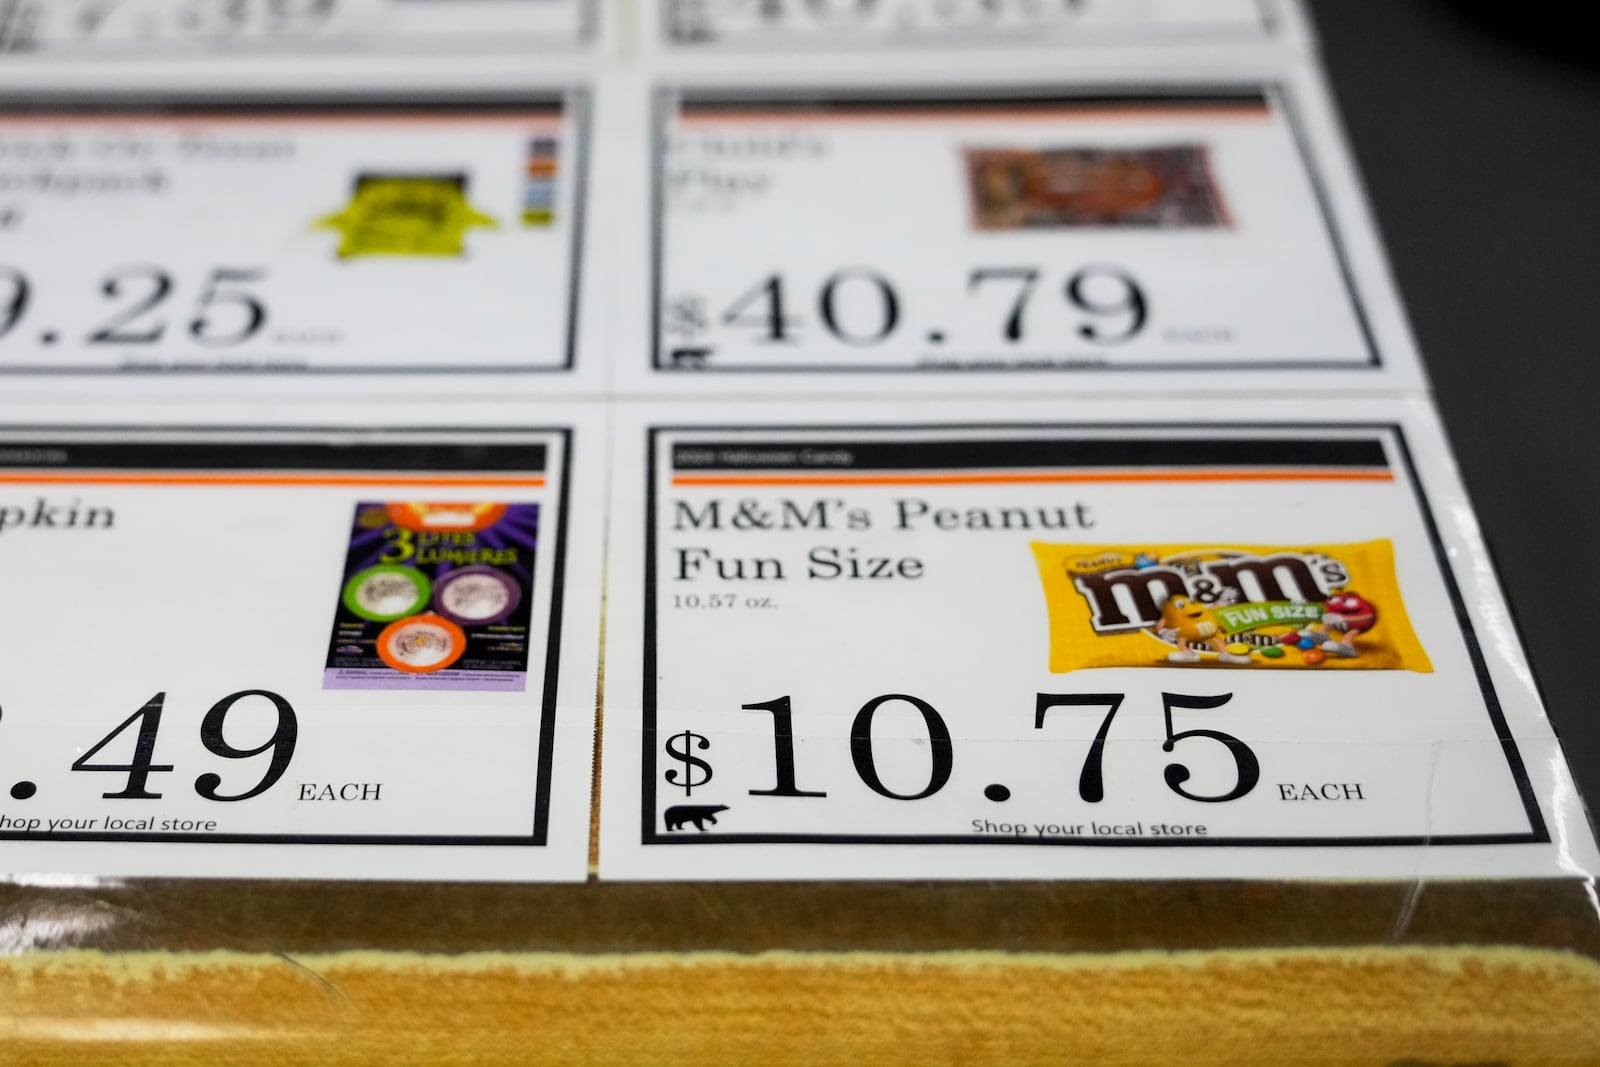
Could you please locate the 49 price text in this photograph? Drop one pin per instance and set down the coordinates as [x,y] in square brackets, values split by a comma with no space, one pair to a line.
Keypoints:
[144,728]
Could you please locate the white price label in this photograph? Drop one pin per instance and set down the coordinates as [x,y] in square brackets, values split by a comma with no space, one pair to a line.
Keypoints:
[261,237]
[82,29]
[1067,231]
[963,23]
[1127,646]
[295,653]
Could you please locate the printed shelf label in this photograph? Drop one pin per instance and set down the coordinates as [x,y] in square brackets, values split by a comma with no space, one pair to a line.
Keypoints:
[265,237]
[97,29]
[1091,645]
[961,231]
[896,24]
[336,653]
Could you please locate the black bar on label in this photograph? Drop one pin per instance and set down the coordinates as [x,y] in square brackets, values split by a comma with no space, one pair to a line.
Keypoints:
[139,104]
[845,101]
[823,455]
[279,456]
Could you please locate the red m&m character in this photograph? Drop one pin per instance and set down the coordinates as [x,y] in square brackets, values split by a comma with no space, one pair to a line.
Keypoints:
[1345,616]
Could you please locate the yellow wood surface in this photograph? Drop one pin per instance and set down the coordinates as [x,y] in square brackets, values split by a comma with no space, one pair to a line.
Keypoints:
[1380,1006]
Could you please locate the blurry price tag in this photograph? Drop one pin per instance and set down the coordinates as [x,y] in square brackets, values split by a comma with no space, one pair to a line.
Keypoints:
[336,238]
[1165,228]
[965,23]
[72,25]
[154,28]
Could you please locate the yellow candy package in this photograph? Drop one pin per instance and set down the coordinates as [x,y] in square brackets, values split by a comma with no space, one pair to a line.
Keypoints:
[1317,607]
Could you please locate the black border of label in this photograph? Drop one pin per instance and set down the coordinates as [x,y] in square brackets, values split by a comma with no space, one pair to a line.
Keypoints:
[1538,832]
[548,696]
[1278,93]
[575,101]
[1268,19]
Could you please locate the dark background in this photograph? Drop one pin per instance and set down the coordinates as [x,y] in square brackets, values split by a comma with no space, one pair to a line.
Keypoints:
[1476,127]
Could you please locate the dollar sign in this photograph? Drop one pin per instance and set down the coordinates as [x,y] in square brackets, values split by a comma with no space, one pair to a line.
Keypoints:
[678,749]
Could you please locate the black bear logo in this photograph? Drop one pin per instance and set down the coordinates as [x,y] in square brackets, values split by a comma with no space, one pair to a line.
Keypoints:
[699,814]
[690,358]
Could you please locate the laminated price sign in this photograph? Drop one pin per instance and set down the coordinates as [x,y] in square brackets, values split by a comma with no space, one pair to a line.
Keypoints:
[80,29]
[298,653]
[896,24]
[1084,235]
[1157,640]
[338,238]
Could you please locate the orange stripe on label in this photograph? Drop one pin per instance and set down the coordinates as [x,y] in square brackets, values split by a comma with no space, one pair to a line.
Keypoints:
[264,479]
[1038,477]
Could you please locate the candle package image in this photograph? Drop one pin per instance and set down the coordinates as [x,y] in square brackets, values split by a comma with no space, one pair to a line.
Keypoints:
[1125,639]
[436,596]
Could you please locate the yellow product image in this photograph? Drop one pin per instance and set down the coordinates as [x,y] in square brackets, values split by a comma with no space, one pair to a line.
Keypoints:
[406,215]
[1327,607]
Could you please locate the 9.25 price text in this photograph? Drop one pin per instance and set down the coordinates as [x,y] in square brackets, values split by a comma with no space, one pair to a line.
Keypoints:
[226,311]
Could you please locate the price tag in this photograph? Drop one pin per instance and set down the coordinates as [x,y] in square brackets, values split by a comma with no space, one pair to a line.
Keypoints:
[1157,640]
[79,29]
[736,24]
[306,653]
[1087,235]
[56,26]
[328,239]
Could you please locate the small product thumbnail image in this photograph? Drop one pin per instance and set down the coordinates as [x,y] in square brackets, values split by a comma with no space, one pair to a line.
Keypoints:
[435,596]
[1165,187]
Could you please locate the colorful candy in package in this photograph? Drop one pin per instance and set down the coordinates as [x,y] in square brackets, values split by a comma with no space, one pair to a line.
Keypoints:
[1328,607]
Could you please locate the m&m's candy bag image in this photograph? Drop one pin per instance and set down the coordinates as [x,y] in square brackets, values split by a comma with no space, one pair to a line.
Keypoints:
[1329,607]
